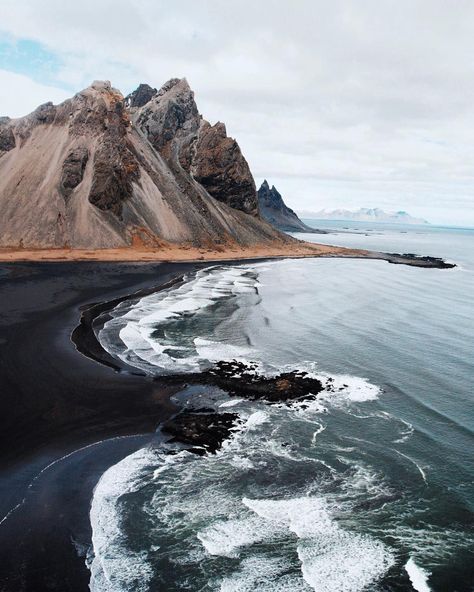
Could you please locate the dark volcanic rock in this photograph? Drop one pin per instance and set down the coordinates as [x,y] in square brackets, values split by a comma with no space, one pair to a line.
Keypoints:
[45,113]
[172,119]
[418,260]
[221,168]
[274,210]
[239,379]
[115,164]
[73,169]
[204,431]
[7,138]
[190,145]
[141,96]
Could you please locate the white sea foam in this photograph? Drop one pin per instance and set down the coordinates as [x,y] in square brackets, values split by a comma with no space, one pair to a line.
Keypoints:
[418,576]
[131,335]
[225,538]
[265,574]
[215,351]
[332,559]
[421,470]
[256,419]
[231,403]
[113,567]
[351,388]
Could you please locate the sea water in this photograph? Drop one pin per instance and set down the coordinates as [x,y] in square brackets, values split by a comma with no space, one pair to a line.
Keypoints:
[370,487]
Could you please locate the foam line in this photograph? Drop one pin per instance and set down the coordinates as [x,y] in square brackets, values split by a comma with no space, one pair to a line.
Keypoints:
[418,576]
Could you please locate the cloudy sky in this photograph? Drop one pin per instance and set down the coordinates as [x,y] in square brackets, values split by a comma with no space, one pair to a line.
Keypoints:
[362,103]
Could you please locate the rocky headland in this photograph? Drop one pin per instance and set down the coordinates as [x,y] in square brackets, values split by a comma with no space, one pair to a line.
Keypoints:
[274,210]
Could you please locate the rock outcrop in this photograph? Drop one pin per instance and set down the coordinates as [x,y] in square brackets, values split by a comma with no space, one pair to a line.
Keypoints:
[274,210]
[172,123]
[103,171]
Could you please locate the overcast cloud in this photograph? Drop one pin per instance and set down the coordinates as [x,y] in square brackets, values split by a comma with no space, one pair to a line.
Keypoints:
[339,104]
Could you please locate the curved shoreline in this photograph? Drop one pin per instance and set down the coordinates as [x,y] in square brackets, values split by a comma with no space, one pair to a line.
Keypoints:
[55,402]
[57,406]
[180,254]
[85,341]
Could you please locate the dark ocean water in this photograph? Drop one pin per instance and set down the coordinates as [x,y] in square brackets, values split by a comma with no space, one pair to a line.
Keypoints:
[371,488]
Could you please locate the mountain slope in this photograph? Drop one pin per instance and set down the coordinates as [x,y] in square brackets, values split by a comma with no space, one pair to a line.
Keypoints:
[274,210]
[103,171]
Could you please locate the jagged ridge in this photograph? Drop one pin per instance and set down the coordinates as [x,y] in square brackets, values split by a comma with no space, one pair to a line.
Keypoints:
[274,210]
[103,171]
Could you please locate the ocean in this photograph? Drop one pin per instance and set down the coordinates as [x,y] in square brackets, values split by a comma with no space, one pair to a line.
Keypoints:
[370,487]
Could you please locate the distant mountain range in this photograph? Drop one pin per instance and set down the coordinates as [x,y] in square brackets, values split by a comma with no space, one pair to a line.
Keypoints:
[364,215]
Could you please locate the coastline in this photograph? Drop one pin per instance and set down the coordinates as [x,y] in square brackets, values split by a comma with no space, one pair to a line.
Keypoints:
[65,418]
[186,254]
[176,253]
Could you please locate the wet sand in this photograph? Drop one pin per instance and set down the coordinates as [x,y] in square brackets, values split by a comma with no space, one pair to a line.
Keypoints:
[65,417]
[58,404]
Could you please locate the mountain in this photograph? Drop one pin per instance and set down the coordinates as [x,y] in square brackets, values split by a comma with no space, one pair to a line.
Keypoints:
[365,215]
[274,210]
[104,171]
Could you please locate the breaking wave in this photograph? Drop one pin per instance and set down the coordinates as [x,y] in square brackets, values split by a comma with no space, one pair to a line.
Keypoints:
[305,496]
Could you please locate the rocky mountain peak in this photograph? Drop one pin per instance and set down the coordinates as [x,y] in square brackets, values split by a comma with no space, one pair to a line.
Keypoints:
[274,210]
[140,96]
[99,168]
[191,145]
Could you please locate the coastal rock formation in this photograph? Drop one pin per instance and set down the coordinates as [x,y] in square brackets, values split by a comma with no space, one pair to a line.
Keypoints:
[274,210]
[203,429]
[103,171]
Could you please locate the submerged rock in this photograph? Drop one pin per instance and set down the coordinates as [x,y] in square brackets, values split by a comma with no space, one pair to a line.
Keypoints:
[205,431]
[243,380]
[418,260]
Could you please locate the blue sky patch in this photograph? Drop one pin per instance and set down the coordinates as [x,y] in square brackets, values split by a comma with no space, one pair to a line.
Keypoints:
[31,59]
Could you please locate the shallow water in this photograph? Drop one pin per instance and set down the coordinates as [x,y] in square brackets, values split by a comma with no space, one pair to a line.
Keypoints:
[370,488]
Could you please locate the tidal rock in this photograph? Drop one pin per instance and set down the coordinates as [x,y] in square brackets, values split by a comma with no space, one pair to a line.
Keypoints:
[203,431]
[418,260]
[244,380]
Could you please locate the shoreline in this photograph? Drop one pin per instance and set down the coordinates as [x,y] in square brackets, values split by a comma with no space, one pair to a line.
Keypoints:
[185,254]
[65,418]
[174,253]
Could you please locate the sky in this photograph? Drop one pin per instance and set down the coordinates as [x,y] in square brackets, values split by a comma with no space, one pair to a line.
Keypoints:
[339,104]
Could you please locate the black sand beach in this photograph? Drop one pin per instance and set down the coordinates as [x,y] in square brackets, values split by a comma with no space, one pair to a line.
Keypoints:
[61,407]
[66,417]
